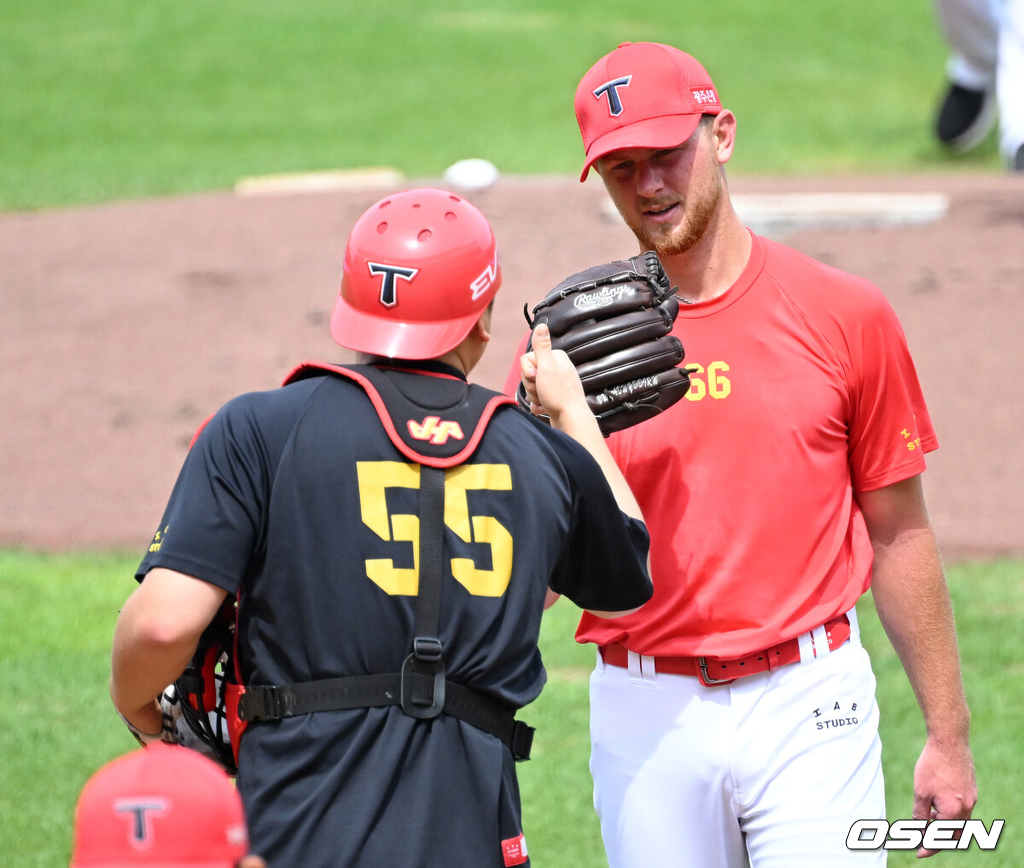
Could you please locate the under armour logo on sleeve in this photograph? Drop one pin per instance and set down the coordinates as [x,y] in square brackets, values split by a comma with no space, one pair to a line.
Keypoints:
[391,273]
[611,90]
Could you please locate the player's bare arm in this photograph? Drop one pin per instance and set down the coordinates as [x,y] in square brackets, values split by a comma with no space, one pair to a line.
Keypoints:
[913,603]
[154,639]
[553,388]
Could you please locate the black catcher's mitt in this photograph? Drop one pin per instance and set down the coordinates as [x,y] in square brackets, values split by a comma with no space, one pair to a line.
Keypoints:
[613,321]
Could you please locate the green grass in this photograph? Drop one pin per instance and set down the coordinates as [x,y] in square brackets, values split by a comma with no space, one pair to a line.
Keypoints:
[57,725]
[989,603]
[108,99]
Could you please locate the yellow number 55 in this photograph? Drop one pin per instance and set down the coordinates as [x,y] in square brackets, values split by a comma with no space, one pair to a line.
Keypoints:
[376,477]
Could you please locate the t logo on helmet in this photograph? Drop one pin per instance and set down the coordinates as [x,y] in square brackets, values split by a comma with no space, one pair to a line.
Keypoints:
[611,90]
[388,290]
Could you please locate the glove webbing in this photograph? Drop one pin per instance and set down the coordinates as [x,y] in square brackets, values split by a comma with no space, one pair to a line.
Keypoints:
[655,278]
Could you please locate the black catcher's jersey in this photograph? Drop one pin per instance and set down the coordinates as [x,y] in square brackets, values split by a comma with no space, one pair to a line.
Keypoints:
[297,501]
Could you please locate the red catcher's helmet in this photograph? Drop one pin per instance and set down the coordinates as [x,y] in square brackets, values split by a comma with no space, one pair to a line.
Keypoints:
[420,268]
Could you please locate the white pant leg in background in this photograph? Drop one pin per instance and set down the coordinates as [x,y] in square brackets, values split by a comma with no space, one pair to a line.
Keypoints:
[687,776]
[1010,78]
[971,30]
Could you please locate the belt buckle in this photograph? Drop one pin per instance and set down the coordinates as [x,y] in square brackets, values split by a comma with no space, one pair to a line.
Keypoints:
[707,680]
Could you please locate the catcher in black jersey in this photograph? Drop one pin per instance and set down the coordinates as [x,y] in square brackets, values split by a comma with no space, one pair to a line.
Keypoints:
[390,533]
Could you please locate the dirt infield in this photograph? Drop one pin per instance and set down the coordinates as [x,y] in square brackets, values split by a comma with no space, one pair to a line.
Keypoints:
[125,325]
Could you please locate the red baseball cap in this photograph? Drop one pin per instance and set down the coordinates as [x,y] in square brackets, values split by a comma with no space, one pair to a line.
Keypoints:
[163,806]
[642,95]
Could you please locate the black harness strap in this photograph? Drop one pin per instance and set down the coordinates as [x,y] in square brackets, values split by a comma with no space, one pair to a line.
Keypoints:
[421,688]
[365,691]
[420,697]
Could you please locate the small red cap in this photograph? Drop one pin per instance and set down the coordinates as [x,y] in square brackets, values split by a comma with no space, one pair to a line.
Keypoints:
[162,806]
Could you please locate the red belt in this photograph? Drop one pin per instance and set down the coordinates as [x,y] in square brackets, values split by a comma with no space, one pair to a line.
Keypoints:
[718,670]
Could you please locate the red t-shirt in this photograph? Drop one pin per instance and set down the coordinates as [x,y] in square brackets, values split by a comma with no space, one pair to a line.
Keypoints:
[805,392]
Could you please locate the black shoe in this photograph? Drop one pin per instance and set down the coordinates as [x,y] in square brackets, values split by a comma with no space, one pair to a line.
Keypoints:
[965,117]
[1017,161]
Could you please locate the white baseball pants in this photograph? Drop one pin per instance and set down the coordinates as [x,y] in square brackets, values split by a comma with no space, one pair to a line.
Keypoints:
[986,38]
[769,771]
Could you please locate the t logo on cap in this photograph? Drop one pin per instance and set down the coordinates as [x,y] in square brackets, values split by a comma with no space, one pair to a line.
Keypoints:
[141,814]
[611,90]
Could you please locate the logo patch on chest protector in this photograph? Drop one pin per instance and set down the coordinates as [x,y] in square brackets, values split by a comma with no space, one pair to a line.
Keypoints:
[430,439]
[435,430]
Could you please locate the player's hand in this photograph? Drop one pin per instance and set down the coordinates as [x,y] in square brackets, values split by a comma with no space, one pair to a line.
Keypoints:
[944,785]
[550,380]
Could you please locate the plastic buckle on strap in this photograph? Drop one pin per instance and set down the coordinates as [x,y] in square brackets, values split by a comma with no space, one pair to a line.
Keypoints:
[521,742]
[414,675]
[259,703]
[426,648]
[707,680]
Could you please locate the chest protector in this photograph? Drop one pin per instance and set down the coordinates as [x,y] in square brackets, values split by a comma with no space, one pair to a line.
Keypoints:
[435,439]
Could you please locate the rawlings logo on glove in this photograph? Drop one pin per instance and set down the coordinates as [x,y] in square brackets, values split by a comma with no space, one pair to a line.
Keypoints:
[613,321]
